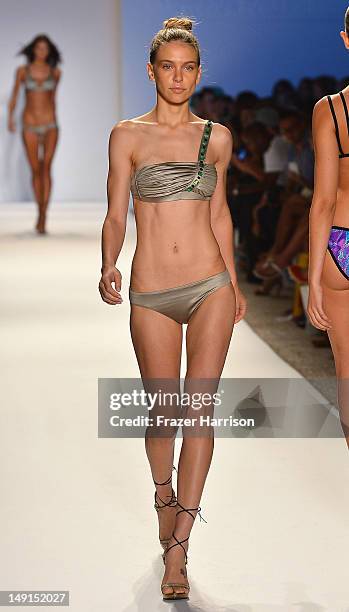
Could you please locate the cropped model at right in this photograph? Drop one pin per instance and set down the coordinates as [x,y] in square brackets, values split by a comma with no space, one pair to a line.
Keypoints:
[328,305]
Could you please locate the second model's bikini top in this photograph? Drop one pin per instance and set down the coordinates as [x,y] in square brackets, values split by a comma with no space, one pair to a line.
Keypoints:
[341,153]
[176,180]
[32,85]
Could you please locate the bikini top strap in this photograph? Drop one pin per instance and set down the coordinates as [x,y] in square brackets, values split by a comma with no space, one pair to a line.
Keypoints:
[204,140]
[345,108]
[335,124]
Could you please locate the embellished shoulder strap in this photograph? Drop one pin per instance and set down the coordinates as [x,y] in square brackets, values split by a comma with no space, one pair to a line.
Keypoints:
[201,156]
[335,124]
[204,140]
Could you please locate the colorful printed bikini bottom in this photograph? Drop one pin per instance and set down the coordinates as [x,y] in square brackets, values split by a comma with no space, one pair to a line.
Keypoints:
[338,246]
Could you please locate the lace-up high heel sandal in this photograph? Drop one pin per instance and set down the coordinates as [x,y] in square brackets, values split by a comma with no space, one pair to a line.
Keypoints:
[186,587]
[172,503]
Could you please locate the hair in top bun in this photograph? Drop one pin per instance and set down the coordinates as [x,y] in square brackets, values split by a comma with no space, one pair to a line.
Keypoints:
[183,23]
[175,28]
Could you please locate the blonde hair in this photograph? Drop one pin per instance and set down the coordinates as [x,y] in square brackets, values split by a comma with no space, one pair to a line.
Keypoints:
[175,28]
[346,21]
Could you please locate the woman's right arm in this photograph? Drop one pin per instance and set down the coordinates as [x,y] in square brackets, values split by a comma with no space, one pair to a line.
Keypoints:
[323,206]
[114,226]
[13,99]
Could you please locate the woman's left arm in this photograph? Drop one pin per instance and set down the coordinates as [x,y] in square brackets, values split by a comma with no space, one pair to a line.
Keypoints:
[220,217]
[57,73]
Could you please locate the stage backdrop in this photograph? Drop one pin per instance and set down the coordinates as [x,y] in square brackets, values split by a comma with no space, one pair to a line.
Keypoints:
[245,44]
[87,33]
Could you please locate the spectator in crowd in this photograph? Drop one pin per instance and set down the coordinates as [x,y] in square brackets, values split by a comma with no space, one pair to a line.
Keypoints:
[292,227]
[284,95]
[270,177]
[305,93]
[266,213]
[251,182]
[246,103]
[323,85]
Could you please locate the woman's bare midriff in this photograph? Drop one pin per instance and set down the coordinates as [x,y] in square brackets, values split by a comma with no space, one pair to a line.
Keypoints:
[39,108]
[341,215]
[175,245]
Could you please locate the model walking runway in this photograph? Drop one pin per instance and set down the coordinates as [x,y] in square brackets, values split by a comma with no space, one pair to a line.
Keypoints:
[73,514]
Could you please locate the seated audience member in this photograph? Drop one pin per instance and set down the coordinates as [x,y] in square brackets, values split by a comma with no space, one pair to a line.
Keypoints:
[251,181]
[292,228]
[266,213]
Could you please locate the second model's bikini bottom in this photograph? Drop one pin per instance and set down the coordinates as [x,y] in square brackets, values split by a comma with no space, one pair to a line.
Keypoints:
[179,302]
[41,129]
[338,246]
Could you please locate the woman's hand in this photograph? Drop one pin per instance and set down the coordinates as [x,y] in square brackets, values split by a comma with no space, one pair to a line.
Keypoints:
[108,293]
[241,304]
[11,125]
[315,310]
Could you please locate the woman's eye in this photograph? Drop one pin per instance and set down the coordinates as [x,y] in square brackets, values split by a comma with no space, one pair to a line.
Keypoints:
[166,66]
[190,67]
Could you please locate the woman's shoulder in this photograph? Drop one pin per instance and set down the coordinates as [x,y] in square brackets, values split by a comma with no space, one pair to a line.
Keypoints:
[21,70]
[128,129]
[128,125]
[322,111]
[322,105]
[221,134]
[123,134]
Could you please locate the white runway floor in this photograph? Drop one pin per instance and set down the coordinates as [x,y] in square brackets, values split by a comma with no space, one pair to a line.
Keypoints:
[77,511]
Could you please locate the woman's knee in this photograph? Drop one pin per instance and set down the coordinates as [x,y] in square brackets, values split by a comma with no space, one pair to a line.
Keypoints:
[46,166]
[160,438]
[36,171]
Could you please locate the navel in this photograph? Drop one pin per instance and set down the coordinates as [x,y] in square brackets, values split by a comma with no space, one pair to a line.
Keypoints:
[175,248]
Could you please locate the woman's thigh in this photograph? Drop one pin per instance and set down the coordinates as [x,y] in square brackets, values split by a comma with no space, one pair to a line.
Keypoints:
[31,145]
[50,143]
[209,333]
[157,341]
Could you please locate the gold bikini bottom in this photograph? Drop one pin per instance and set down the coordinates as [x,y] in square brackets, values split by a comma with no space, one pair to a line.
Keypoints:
[180,302]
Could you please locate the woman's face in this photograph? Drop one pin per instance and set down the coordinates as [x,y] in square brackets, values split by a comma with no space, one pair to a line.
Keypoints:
[175,71]
[41,50]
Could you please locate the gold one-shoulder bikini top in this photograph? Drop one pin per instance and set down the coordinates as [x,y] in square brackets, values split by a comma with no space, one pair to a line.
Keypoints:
[175,180]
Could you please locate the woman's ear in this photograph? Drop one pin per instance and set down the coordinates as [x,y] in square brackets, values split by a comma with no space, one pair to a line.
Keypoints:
[198,78]
[150,72]
[345,38]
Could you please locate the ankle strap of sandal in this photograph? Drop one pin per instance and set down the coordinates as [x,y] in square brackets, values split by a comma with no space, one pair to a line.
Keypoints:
[189,511]
[178,543]
[159,484]
[172,502]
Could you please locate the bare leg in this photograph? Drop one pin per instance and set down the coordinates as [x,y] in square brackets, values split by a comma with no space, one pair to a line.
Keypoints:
[50,143]
[336,305]
[208,336]
[297,242]
[31,144]
[292,209]
[157,341]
